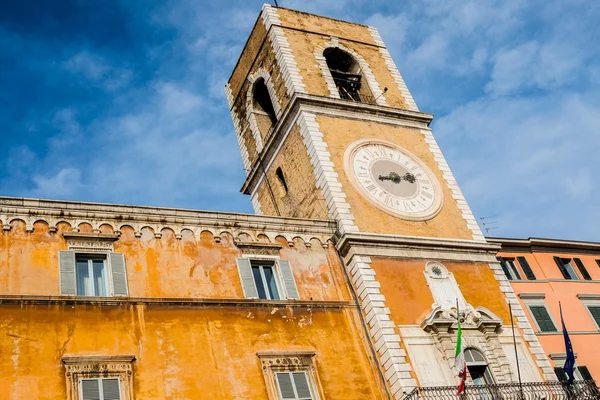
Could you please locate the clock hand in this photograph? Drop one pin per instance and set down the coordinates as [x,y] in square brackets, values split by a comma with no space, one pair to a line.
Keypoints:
[394,177]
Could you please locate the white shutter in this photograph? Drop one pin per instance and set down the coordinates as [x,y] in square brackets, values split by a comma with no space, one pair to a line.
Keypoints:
[246,277]
[288,280]
[90,389]
[111,389]
[119,274]
[286,387]
[68,283]
[301,383]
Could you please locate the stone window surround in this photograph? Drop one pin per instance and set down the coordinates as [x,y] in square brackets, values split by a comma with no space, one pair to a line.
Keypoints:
[366,70]
[261,73]
[590,300]
[289,361]
[83,367]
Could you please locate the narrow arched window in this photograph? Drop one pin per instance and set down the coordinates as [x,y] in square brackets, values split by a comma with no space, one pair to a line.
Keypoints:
[263,107]
[347,75]
[478,368]
[281,178]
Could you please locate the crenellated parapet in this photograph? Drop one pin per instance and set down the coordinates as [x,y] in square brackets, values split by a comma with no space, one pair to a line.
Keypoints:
[99,218]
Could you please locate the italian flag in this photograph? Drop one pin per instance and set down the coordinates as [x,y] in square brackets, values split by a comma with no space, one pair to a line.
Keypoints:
[459,360]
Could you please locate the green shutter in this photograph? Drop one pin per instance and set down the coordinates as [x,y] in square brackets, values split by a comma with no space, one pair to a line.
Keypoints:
[119,274]
[585,373]
[540,313]
[68,283]
[560,374]
[526,268]
[288,280]
[598,262]
[582,269]
[561,267]
[246,278]
[505,268]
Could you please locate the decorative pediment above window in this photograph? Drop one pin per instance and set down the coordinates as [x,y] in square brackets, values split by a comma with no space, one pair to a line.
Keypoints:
[90,242]
[91,368]
[479,318]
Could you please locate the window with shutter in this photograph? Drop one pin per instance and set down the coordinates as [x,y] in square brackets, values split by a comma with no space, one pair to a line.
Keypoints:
[288,280]
[582,269]
[526,268]
[100,389]
[119,274]
[598,262]
[595,312]
[505,269]
[566,269]
[247,278]
[542,318]
[293,386]
[66,261]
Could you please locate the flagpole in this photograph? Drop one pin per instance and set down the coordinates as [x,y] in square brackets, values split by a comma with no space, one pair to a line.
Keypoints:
[512,324]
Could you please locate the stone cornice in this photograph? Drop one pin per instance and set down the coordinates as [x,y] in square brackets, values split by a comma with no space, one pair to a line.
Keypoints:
[327,105]
[545,245]
[162,301]
[91,236]
[116,215]
[385,245]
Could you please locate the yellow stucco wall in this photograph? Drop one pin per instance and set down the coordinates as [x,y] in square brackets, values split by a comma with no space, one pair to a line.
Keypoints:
[303,198]
[165,267]
[182,352]
[339,133]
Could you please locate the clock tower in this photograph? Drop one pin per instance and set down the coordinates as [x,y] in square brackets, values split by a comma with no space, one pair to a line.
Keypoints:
[328,129]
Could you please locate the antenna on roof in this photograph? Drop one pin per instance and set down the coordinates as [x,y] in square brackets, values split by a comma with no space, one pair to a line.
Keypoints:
[489,223]
[276,5]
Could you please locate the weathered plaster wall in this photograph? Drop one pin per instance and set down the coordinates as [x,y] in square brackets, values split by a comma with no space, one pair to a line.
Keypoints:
[303,198]
[409,299]
[181,352]
[192,266]
[339,133]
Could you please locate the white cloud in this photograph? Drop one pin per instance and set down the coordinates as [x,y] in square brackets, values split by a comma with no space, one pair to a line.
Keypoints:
[97,70]
[63,184]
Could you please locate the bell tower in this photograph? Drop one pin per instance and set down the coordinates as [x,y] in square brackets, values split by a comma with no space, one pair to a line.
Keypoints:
[327,129]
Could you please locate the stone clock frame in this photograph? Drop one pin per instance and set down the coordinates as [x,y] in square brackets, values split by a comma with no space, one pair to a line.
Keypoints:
[416,216]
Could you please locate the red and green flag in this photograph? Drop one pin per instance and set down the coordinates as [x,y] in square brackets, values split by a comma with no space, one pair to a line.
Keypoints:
[459,360]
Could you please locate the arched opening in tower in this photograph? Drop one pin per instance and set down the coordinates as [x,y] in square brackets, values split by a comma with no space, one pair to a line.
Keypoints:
[263,108]
[347,75]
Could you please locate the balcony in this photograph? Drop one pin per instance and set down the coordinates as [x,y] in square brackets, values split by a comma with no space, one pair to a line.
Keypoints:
[579,390]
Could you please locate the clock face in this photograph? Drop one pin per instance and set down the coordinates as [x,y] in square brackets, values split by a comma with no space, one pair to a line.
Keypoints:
[393,179]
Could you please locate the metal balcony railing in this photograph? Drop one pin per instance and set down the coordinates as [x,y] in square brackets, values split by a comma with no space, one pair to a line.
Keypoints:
[579,390]
[356,96]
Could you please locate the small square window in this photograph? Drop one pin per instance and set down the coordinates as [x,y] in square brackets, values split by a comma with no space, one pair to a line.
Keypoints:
[91,275]
[265,280]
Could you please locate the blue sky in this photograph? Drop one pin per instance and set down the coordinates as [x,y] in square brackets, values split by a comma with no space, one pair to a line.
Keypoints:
[123,102]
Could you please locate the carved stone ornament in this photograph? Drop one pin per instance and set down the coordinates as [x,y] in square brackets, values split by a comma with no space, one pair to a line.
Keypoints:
[289,361]
[90,242]
[480,318]
[78,368]
[259,248]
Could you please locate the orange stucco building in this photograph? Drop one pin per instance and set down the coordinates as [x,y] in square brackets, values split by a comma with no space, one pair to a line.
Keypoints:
[547,272]
[348,283]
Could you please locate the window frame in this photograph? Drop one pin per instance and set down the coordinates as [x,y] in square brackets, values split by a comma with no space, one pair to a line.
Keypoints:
[274,362]
[108,284]
[79,368]
[296,396]
[540,303]
[257,262]
[100,386]
[572,272]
